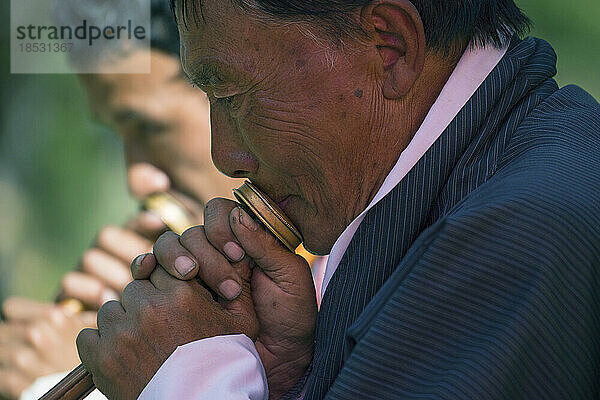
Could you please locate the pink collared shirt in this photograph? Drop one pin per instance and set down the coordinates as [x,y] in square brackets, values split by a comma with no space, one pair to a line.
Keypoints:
[228,367]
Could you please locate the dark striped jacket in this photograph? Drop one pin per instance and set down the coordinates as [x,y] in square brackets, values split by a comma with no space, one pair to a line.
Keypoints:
[478,276]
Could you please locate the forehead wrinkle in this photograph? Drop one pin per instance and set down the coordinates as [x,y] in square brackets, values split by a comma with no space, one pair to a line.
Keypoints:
[204,68]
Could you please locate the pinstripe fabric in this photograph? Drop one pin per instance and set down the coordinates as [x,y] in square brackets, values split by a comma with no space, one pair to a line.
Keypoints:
[478,276]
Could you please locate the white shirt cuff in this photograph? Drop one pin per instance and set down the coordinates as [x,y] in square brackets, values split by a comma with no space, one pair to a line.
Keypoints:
[221,367]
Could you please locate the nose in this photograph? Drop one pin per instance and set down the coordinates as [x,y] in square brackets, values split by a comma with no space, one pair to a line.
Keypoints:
[229,151]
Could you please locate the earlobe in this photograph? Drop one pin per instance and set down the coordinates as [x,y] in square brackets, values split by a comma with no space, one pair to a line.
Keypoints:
[400,41]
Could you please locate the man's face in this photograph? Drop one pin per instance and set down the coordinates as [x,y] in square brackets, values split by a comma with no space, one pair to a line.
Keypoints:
[288,114]
[164,123]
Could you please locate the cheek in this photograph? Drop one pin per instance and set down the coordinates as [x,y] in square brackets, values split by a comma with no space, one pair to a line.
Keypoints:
[285,135]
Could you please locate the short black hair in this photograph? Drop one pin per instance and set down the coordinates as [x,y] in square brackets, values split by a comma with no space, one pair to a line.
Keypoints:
[448,24]
[164,34]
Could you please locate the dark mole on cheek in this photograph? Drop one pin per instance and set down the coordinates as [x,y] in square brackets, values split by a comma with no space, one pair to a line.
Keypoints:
[344,115]
[358,93]
[341,98]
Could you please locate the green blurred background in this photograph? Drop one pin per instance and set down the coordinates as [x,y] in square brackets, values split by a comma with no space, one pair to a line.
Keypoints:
[61,177]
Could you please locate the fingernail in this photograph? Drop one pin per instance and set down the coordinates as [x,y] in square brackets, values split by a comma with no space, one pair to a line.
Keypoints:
[184,265]
[247,221]
[230,289]
[137,263]
[234,251]
[109,295]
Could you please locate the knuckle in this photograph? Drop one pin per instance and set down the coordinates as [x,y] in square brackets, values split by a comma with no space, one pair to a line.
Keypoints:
[81,340]
[108,311]
[131,290]
[216,211]
[213,206]
[162,243]
[192,234]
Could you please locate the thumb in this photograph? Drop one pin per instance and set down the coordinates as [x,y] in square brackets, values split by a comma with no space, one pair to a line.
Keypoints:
[287,270]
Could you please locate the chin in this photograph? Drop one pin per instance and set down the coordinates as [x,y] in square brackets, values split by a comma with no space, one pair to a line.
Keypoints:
[315,243]
[318,249]
[310,226]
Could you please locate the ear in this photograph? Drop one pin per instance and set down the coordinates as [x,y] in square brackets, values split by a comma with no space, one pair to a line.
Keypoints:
[399,37]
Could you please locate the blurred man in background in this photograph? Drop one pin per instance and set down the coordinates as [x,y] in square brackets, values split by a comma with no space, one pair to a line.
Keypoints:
[163,122]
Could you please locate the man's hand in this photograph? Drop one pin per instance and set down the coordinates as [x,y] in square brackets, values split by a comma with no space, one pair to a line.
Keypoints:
[104,270]
[137,335]
[282,288]
[36,339]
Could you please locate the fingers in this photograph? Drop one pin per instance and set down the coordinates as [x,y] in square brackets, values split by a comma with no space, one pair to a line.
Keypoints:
[13,383]
[24,360]
[110,313]
[44,345]
[143,266]
[191,255]
[109,269]
[219,232]
[145,179]
[53,338]
[88,289]
[136,293]
[20,309]
[287,270]
[148,224]
[214,269]
[44,335]
[164,282]
[105,268]
[122,243]
[175,258]
[12,333]
[87,345]
[161,280]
